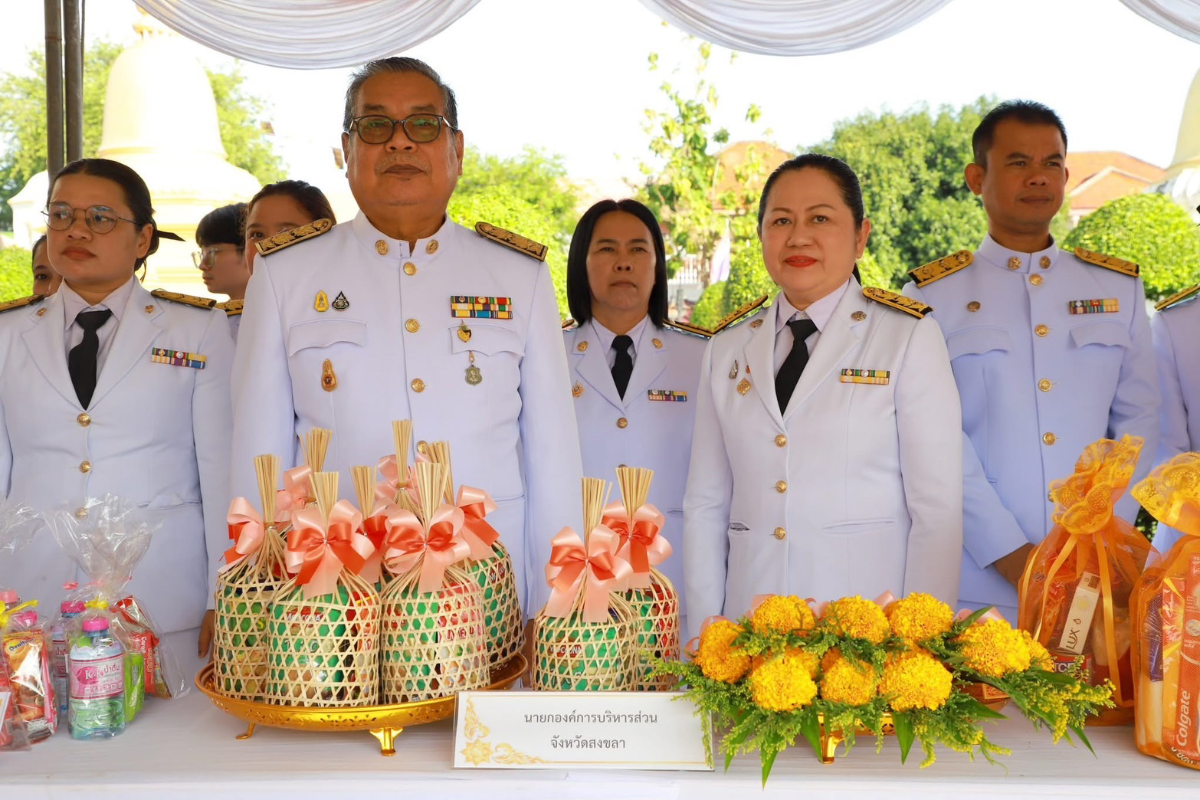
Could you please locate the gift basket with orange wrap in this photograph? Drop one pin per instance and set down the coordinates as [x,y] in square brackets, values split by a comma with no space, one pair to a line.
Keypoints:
[1075,592]
[1166,620]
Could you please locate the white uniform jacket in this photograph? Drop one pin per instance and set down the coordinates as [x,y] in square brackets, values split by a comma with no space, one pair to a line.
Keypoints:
[393,351]
[651,427]
[156,434]
[856,490]
[1176,330]
[1039,382]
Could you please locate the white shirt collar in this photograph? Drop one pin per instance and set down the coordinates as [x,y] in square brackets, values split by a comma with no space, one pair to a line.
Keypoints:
[606,336]
[819,312]
[115,302]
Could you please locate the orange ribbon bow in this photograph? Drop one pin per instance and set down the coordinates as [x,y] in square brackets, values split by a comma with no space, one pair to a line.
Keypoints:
[246,530]
[375,528]
[594,568]
[640,543]
[295,493]
[477,504]
[316,552]
[434,548]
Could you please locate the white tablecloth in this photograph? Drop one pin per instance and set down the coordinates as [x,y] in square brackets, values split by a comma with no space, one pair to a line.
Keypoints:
[186,747]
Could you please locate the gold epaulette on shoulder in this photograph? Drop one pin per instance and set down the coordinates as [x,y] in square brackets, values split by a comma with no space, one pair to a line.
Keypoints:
[936,270]
[732,319]
[509,239]
[21,302]
[1108,262]
[294,236]
[569,324]
[685,327]
[232,308]
[897,301]
[1177,298]
[185,299]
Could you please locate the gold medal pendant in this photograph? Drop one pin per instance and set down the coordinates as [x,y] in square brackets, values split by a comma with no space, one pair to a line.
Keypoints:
[474,376]
[464,333]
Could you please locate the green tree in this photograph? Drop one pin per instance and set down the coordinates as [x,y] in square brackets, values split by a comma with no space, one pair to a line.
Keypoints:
[710,307]
[748,278]
[911,169]
[679,186]
[23,120]
[1149,229]
[16,277]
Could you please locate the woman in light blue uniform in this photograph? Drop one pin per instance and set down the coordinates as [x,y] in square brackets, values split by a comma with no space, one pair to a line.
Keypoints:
[633,373]
[107,388]
[827,455]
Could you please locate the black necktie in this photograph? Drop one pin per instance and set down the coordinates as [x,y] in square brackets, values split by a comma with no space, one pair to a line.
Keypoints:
[793,365]
[81,361]
[623,367]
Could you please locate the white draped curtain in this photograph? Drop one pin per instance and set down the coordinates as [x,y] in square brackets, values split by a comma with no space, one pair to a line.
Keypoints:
[316,34]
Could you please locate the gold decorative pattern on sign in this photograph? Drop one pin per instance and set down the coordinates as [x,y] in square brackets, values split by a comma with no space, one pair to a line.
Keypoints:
[897,301]
[936,270]
[1178,297]
[1108,262]
[734,318]
[185,299]
[512,240]
[289,238]
[479,751]
[21,302]
[328,378]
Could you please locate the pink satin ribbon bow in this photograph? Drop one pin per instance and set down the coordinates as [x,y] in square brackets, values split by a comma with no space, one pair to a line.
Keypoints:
[480,536]
[375,528]
[435,548]
[295,493]
[640,543]
[388,486]
[570,563]
[246,530]
[316,552]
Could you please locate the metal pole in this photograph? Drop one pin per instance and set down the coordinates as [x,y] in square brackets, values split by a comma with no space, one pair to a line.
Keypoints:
[54,87]
[73,30]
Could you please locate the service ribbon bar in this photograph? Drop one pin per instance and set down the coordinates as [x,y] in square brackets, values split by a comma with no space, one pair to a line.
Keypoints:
[469,307]
[878,377]
[177,358]
[666,395]
[1108,305]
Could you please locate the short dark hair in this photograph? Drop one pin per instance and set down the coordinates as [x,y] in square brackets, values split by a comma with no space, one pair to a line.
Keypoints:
[397,64]
[1027,111]
[579,291]
[311,199]
[222,226]
[137,194]
[841,174]
[41,240]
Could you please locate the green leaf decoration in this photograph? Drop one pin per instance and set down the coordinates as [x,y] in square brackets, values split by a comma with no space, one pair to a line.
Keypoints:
[905,734]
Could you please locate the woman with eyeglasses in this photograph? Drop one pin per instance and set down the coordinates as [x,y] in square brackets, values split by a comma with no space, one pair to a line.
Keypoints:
[280,207]
[827,457]
[220,258]
[106,388]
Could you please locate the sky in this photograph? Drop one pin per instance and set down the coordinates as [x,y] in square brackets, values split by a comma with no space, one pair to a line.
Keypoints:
[572,77]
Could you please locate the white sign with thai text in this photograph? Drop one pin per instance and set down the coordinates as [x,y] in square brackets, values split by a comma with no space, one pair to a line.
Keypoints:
[597,730]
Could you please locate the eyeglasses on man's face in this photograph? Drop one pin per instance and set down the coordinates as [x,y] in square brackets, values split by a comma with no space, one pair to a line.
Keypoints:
[207,257]
[100,219]
[419,128]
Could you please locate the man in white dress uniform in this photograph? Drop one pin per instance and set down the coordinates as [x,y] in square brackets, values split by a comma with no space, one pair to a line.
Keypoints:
[401,313]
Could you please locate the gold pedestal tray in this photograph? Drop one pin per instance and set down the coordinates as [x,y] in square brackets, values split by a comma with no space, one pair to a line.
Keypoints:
[384,722]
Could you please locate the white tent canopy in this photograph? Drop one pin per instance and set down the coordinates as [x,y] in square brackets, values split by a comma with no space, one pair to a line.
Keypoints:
[319,34]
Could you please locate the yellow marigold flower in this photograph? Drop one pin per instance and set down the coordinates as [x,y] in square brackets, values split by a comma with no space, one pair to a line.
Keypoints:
[847,682]
[854,617]
[994,649]
[1039,656]
[716,658]
[782,614]
[919,617]
[808,660]
[782,684]
[915,680]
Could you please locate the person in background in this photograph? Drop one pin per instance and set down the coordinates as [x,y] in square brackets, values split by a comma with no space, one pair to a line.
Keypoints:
[45,279]
[278,208]
[633,372]
[220,258]
[826,455]
[106,388]
[1051,350]
[1176,332]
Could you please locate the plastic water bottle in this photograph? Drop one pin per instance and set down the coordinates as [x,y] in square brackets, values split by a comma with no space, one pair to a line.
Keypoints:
[58,654]
[96,669]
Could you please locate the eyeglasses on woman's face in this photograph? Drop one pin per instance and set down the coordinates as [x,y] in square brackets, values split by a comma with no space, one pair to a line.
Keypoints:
[100,219]
[206,257]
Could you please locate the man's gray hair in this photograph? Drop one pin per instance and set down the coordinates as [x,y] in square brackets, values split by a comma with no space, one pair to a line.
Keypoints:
[397,64]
